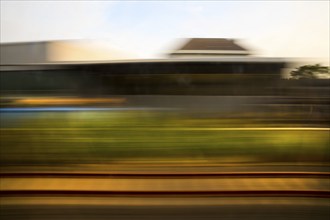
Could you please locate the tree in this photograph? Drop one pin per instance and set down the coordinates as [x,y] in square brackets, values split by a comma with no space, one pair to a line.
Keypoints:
[311,72]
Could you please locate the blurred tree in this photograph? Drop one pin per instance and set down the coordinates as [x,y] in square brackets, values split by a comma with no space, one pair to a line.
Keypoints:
[311,72]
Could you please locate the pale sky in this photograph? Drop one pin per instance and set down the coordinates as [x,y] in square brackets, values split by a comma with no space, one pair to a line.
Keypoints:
[270,28]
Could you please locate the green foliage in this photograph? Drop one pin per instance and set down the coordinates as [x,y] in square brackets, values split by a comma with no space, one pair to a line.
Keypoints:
[82,138]
[311,72]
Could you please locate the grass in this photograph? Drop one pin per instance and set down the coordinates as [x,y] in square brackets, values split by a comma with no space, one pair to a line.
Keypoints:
[109,137]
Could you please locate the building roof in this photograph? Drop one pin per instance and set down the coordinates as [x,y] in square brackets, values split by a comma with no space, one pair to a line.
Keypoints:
[222,59]
[211,46]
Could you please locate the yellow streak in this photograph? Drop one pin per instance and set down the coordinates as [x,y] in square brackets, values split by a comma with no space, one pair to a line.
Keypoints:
[61,101]
[178,129]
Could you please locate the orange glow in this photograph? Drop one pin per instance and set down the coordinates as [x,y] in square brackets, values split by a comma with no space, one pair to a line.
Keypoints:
[71,101]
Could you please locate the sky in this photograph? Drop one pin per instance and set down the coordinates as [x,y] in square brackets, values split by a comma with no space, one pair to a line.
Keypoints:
[151,28]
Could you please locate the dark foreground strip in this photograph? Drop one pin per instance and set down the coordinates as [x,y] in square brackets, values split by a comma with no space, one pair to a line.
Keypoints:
[247,193]
[168,175]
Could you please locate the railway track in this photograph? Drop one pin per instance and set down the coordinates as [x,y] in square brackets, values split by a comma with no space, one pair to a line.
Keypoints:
[165,174]
[206,184]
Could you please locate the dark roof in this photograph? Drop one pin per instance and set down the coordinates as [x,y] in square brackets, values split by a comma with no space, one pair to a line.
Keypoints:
[211,44]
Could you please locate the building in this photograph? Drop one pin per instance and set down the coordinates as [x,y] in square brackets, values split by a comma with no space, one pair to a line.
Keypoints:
[200,67]
[57,51]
